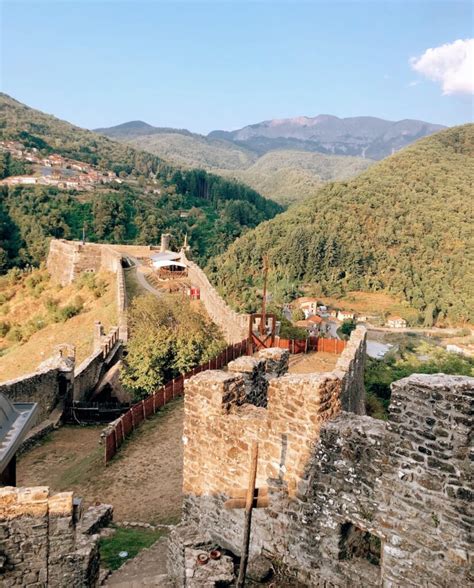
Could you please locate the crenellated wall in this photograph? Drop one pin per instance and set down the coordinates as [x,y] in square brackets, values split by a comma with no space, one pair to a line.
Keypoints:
[49,386]
[44,541]
[352,500]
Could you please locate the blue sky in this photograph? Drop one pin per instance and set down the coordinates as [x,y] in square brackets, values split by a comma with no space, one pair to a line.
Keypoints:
[222,65]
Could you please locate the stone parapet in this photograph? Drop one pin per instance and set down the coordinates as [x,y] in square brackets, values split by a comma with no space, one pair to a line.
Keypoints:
[41,540]
[352,500]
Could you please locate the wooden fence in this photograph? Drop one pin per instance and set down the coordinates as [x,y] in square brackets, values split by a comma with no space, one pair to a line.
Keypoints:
[122,427]
[117,432]
[311,344]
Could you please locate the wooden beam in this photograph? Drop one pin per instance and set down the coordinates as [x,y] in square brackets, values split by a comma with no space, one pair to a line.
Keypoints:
[248,515]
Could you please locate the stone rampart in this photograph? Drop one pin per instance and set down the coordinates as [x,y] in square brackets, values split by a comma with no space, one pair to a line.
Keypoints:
[67,260]
[42,542]
[93,368]
[234,326]
[48,386]
[352,500]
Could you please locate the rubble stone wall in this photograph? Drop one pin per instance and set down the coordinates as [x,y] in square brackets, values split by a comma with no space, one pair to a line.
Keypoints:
[352,500]
[234,326]
[41,541]
[90,371]
[47,387]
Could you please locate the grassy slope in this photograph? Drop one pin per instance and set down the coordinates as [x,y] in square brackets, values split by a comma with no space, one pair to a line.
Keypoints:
[27,306]
[404,226]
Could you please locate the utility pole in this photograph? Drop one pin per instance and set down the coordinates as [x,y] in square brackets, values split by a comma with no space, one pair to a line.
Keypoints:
[84,234]
[263,320]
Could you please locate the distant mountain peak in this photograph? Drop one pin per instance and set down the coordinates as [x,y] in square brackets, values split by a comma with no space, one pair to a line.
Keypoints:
[365,136]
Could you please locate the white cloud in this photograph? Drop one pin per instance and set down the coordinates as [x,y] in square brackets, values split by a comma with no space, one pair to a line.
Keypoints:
[451,64]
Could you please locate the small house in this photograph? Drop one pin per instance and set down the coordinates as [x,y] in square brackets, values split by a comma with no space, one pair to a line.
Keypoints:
[396,322]
[344,315]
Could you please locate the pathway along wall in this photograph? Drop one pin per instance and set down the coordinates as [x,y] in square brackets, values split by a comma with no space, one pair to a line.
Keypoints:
[352,500]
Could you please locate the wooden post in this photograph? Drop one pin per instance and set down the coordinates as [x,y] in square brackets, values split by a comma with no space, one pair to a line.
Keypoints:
[248,515]
[263,319]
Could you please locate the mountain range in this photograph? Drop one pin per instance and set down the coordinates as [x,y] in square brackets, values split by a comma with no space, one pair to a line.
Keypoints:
[284,159]
[404,226]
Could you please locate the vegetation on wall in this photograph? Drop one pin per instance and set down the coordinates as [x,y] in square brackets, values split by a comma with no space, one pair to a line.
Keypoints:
[169,337]
[404,227]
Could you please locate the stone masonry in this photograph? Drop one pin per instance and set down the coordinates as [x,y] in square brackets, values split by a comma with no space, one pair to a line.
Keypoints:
[42,541]
[353,501]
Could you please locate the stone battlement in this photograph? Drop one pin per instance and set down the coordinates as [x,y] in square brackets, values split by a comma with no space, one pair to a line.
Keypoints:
[46,541]
[234,326]
[352,500]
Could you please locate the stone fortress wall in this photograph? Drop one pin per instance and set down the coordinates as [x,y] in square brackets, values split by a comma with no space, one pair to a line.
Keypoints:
[234,326]
[45,540]
[67,260]
[352,500]
[58,379]
[48,386]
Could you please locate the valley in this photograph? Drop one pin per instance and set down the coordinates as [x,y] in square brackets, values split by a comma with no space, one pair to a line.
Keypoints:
[287,160]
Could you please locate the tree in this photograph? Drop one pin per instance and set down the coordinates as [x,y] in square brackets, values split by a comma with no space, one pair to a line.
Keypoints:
[347,327]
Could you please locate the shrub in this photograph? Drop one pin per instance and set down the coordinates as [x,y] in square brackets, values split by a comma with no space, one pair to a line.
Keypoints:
[15,334]
[6,296]
[4,328]
[14,275]
[347,327]
[32,326]
[90,281]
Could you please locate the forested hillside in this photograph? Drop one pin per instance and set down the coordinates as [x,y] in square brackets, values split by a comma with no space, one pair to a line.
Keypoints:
[284,175]
[404,226]
[290,176]
[150,196]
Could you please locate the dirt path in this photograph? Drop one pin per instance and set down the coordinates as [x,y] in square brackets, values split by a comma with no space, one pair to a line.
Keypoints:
[143,482]
[312,362]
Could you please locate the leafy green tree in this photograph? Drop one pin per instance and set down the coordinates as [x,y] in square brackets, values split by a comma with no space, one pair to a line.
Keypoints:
[347,327]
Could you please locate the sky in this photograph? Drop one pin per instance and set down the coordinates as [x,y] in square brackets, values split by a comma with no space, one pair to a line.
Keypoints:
[226,64]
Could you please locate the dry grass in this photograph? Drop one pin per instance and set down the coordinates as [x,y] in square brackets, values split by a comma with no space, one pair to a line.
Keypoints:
[28,305]
[368,303]
[312,362]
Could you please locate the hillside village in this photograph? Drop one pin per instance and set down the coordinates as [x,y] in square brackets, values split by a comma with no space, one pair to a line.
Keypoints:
[54,170]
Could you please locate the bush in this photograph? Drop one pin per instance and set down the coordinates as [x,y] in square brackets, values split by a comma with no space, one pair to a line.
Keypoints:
[90,281]
[15,334]
[14,276]
[61,315]
[297,315]
[4,328]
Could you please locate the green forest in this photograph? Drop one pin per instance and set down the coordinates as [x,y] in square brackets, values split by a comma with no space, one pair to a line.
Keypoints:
[153,197]
[403,226]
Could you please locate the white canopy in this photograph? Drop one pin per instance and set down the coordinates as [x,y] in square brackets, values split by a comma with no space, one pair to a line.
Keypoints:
[159,263]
